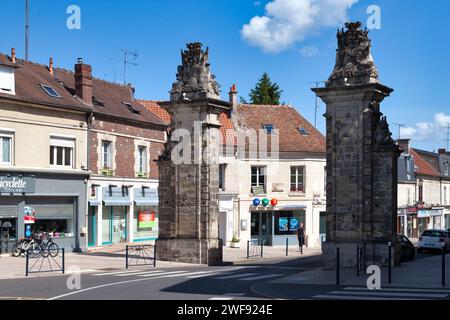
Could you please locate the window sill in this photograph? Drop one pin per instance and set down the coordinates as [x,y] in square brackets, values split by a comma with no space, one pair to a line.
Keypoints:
[297,194]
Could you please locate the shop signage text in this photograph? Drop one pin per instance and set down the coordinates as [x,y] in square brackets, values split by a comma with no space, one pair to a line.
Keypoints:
[17,184]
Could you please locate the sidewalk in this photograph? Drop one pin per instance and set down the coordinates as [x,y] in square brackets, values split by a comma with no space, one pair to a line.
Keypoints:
[423,273]
[239,255]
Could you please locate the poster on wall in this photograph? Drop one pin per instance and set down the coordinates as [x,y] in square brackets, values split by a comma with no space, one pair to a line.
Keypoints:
[294,224]
[283,224]
[146,220]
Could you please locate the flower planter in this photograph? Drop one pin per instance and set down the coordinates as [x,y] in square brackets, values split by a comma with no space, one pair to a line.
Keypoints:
[235,244]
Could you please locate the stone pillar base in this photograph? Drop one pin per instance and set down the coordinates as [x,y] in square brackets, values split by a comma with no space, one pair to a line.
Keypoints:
[375,254]
[196,251]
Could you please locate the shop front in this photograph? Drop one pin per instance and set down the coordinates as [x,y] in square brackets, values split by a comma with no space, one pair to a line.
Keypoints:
[56,202]
[275,224]
[424,219]
[120,214]
[447,218]
[402,221]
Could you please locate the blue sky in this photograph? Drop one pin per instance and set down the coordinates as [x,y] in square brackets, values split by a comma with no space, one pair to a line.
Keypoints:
[410,50]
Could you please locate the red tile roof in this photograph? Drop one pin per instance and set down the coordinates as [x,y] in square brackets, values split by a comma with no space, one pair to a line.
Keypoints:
[423,167]
[154,107]
[288,121]
[29,76]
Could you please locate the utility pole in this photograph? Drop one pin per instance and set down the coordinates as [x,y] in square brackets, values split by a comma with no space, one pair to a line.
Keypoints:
[447,139]
[27,30]
[400,126]
[126,56]
[317,83]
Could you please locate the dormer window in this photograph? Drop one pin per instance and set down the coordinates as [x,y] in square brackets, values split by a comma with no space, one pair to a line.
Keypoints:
[50,91]
[303,131]
[268,128]
[130,107]
[7,83]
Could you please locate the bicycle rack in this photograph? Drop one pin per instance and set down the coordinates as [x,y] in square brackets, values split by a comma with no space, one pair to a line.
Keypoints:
[140,255]
[45,261]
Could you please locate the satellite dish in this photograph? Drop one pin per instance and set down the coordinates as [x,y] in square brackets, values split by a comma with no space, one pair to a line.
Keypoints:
[7,224]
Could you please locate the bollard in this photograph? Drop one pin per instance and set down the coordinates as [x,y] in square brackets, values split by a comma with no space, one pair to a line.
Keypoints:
[337,267]
[287,247]
[154,256]
[443,267]
[248,249]
[390,263]
[63,260]
[126,257]
[27,254]
[262,246]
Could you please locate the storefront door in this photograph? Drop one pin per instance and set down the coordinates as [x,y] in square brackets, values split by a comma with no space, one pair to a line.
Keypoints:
[119,233]
[92,226]
[262,227]
[114,225]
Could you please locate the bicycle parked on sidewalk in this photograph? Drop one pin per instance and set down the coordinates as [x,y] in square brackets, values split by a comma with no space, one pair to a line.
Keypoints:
[37,245]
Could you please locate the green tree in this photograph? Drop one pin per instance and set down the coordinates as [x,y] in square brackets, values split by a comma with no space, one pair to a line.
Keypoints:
[266,92]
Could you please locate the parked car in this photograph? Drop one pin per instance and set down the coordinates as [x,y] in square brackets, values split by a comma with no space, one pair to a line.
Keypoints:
[408,252]
[434,240]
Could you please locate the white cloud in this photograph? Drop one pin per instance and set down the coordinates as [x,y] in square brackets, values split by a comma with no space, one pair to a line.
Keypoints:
[427,131]
[287,22]
[309,51]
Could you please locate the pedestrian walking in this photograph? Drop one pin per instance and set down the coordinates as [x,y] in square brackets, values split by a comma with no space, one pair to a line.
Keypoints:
[301,237]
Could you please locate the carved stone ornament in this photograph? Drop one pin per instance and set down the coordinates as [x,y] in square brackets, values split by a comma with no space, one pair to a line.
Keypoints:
[194,78]
[383,137]
[354,62]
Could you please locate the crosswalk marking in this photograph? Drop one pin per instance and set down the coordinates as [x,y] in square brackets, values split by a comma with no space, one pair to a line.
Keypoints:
[331,297]
[236,276]
[401,290]
[390,294]
[221,298]
[166,275]
[262,277]
[138,273]
[113,273]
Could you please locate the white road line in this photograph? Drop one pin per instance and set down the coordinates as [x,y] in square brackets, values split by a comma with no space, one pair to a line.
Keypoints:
[391,294]
[167,275]
[112,273]
[400,290]
[267,276]
[221,298]
[236,276]
[139,273]
[330,297]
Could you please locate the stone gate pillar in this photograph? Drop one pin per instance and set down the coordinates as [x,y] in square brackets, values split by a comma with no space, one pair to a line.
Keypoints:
[361,157]
[189,168]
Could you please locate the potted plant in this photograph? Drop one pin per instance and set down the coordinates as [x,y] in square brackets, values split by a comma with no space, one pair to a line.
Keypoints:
[235,242]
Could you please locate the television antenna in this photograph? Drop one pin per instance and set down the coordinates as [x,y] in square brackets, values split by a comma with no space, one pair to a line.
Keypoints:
[316,83]
[129,58]
[27,29]
[400,126]
[447,139]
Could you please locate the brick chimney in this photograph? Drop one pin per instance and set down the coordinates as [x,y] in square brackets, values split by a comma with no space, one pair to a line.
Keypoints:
[50,66]
[442,151]
[233,95]
[403,144]
[13,55]
[83,81]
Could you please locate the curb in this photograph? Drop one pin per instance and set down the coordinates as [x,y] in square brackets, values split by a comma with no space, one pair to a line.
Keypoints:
[252,289]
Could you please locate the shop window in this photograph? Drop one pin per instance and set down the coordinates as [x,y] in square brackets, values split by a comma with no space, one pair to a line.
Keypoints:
[258,178]
[57,228]
[145,222]
[62,152]
[297,179]
[6,145]
[142,162]
[8,229]
[288,222]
